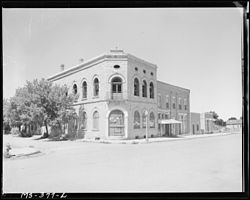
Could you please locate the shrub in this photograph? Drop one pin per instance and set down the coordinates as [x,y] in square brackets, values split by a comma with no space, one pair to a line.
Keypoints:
[137,137]
[15,131]
[7,151]
[144,136]
[152,135]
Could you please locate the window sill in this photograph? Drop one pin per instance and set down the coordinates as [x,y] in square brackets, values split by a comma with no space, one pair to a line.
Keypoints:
[95,97]
[83,99]
[95,129]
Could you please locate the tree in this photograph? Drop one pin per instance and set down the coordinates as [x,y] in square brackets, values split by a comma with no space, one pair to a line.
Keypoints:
[232,118]
[215,115]
[40,102]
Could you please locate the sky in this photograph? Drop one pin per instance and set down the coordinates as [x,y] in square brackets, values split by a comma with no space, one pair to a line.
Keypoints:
[194,48]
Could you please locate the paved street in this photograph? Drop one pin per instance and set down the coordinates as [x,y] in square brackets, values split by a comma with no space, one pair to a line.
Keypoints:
[208,164]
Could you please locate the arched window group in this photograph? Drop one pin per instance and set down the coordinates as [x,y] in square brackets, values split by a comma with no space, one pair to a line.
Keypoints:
[84,88]
[144,88]
[137,120]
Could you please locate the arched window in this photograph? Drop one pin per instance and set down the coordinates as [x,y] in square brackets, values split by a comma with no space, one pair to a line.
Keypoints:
[144,89]
[84,90]
[96,120]
[137,121]
[83,120]
[116,85]
[152,120]
[144,119]
[136,87]
[74,89]
[96,87]
[151,90]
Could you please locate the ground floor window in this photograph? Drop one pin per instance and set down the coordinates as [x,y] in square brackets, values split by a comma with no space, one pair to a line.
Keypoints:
[136,120]
[96,120]
[152,120]
[116,123]
[82,120]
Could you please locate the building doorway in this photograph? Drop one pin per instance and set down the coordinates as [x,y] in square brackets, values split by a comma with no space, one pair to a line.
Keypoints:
[116,123]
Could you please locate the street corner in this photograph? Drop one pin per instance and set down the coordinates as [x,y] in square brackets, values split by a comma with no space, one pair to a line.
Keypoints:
[17,152]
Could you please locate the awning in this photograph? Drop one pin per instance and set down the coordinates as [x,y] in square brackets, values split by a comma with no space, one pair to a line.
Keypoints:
[169,121]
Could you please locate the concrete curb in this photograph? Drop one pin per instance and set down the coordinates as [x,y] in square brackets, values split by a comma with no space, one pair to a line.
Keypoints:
[153,140]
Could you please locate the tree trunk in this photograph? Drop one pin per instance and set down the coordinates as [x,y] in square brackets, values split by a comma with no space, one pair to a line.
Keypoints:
[46,134]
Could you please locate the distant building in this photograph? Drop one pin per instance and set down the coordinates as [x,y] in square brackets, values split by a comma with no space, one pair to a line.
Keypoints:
[202,123]
[207,122]
[195,123]
[119,96]
[234,125]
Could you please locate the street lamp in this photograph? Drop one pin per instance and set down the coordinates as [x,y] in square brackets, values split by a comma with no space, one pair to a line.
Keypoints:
[146,114]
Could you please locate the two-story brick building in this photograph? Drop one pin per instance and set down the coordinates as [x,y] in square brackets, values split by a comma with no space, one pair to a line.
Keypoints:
[118,98]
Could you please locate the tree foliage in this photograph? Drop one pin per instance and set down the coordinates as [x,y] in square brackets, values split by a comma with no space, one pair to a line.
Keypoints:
[39,102]
[218,121]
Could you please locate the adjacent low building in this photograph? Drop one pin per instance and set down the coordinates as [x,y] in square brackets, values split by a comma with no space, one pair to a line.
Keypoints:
[195,123]
[234,125]
[202,123]
[120,98]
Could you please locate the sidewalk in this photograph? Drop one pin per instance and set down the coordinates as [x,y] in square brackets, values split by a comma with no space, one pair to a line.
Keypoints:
[156,139]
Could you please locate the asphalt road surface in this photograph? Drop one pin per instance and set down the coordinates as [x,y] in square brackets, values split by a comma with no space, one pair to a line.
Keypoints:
[209,164]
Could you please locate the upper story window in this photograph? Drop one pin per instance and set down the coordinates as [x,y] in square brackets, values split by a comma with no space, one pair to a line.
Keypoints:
[116,66]
[116,85]
[151,90]
[136,69]
[174,103]
[180,106]
[159,115]
[159,100]
[167,102]
[144,89]
[96,87]
[74,89]
[137,120]
[152,74]
[144,71]
[185,104]
[84,90]
[136,87]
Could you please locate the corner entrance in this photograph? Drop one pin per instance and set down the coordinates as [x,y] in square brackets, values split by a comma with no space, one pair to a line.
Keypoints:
[116,123]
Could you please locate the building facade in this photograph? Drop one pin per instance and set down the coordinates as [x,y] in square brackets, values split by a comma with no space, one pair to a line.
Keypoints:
[118,97]
[195,123]
[234,125]
[207,122]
